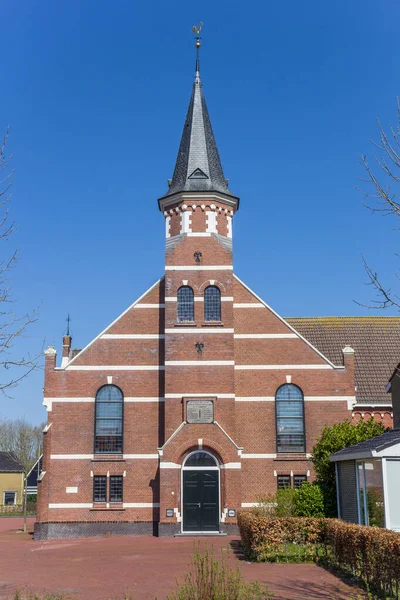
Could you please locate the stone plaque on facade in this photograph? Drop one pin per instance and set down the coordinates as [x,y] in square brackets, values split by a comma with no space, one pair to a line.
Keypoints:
[200,411]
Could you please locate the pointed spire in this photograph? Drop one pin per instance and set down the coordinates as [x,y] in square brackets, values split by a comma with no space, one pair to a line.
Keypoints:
[198,167]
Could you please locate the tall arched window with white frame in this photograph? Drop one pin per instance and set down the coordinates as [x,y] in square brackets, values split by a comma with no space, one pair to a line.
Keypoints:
[185,304]
[109,414]
[290,429]
[212,303]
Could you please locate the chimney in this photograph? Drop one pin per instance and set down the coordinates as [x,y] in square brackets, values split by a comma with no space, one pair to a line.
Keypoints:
[66,350]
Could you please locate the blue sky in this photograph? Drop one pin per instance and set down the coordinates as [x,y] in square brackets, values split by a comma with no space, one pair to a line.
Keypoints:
[96,94]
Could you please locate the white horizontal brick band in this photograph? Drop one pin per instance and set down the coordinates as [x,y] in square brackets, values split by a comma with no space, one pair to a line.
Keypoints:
[231,465]
[67,400]
[88,399]
[198,299]
[141,456]
[285,367]
[144,305]
[132,336]
[170,465]
[91,505]
[258,456]
[199,331]
[92,456]
[267,336]
[306,398]
[248,305]
[141,505]
[249,504]
[116,368]
[71,505]
[140,399]
[199,363]
[255,398]
[198,268]
[72,456]
[211,394]
[198,234]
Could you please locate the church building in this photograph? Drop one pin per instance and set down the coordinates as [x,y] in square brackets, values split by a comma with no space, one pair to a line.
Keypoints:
[199,397]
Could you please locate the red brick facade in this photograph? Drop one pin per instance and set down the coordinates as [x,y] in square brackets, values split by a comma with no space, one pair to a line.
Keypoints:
[154,361]
[159,363]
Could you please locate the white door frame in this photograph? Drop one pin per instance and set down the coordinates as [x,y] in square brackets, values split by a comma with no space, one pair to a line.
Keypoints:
[216,468]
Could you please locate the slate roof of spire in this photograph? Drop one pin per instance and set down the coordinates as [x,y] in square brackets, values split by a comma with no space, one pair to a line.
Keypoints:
[198,166]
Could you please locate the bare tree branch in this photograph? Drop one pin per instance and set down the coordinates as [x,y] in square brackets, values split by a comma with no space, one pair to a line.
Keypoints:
[381,195]
[12,369]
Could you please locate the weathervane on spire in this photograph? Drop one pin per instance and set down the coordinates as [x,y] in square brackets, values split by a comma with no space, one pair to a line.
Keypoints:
[196,31]
[68,319]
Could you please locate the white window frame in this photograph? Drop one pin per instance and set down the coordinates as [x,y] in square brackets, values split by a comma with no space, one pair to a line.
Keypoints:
[10,492]
[215,468]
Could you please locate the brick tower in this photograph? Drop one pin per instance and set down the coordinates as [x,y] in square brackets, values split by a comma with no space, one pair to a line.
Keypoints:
[199,342]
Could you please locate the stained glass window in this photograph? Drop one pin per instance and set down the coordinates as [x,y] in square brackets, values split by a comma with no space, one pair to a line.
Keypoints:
[212,303]
[185,307]
[290,419]
[109,420]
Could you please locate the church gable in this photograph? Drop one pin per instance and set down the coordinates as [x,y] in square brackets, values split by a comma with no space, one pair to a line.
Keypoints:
[263,337]
[134,338]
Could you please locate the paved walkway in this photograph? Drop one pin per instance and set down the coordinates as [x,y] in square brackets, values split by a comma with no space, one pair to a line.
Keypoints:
[143,567]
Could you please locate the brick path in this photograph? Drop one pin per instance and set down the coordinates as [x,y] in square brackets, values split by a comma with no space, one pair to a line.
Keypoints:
[144,567]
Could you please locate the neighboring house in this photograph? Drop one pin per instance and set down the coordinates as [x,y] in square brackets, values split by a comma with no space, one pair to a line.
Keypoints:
[376,343]
[394,388]
[199,397]
[33,477]
[11,480]
[368,481]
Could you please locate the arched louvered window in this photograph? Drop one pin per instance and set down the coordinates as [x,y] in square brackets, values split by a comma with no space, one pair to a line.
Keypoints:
[212,303]
[109,412]
[185,304]
[290,430]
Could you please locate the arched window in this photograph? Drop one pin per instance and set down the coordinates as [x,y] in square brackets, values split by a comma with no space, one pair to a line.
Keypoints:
[212,303]
[109,420]
[200,459]
[185,304]
[290,419]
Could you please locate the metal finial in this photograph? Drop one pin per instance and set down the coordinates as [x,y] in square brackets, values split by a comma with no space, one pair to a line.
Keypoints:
[68,319]
[196,31]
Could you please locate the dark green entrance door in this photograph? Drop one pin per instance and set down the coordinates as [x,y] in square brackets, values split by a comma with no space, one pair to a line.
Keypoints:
[201,500]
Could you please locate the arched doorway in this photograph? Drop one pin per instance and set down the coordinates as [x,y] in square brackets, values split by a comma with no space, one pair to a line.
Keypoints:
[200,492]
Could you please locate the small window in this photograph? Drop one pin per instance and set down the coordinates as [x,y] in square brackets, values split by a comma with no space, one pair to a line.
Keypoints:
[289,405]
[298,480]
[109,420]
[99,488]
[212,303]
[185,307]
[283,481]
[116,488]
[10,498]
[200,459]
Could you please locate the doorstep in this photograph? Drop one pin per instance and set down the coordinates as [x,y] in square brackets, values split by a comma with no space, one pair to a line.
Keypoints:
[201,534]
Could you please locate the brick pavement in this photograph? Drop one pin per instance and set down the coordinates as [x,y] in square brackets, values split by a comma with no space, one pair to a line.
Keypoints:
[144,567]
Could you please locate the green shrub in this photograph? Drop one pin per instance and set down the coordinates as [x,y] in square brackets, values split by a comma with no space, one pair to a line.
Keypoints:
[285,502]
[309,501]
[209,579]
[334,438]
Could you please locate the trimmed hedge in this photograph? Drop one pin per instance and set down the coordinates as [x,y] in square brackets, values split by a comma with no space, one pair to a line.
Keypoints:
[265,538]
[370,554]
